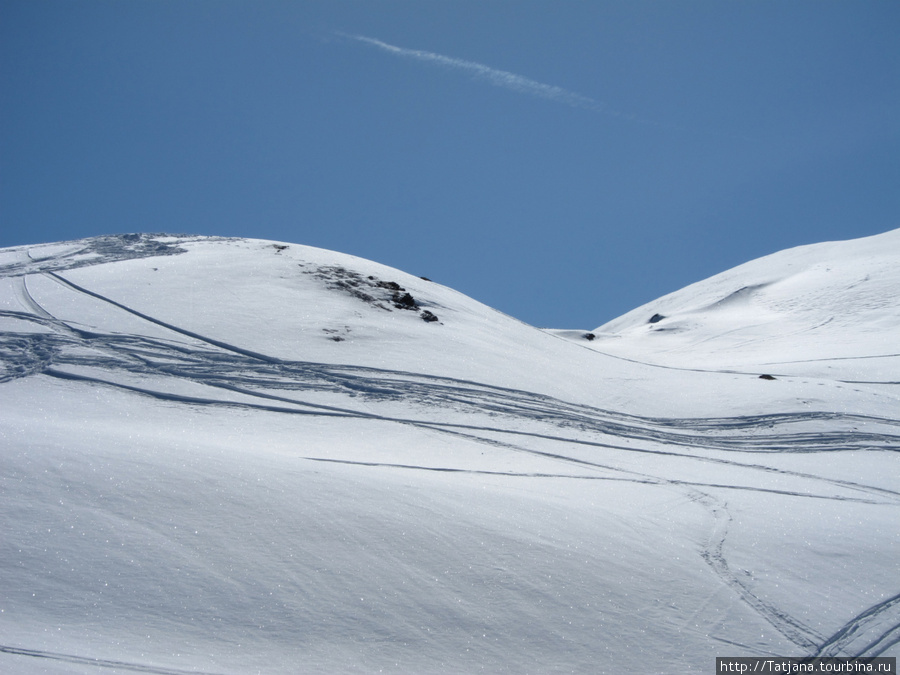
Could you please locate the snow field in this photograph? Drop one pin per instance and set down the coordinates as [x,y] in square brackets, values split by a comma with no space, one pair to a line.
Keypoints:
[246,457]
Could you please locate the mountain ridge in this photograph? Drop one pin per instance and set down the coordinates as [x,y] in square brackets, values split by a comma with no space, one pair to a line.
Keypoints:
[235,455]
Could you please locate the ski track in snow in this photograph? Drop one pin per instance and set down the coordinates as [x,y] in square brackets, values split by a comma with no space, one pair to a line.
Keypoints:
[42,344]
[269,380]
[97,663]
[714,556]
[856,636]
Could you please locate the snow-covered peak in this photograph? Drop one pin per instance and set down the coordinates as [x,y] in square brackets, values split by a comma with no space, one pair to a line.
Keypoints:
[282,300]
[831,307]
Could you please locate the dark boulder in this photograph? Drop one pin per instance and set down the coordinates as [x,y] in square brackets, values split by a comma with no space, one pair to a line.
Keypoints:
[403,301]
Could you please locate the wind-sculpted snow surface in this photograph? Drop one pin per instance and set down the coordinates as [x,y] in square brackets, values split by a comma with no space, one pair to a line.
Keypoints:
[258,457]
[23,260]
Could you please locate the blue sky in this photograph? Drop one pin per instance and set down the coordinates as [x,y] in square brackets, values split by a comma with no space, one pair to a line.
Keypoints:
[561,161]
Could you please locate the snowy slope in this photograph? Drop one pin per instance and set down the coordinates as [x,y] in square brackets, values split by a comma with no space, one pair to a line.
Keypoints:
[240,456]
[828,309]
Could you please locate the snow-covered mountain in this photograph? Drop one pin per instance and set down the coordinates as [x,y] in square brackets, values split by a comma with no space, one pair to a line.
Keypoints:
[827,310]
[242,456]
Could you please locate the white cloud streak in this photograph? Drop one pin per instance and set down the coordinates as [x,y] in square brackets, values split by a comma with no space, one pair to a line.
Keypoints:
[525,85]
[493,76]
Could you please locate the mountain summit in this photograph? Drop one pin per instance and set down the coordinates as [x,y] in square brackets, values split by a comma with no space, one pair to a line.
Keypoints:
[234,455]
[828,309]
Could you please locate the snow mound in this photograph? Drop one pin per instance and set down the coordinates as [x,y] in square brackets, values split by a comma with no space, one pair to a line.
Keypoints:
[830,308]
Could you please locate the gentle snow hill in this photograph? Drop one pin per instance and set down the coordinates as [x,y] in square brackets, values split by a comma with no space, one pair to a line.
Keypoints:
[830,310]
[231,456]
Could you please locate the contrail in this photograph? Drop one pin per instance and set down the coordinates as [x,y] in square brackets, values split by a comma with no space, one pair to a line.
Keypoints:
[498,78]
[525,85]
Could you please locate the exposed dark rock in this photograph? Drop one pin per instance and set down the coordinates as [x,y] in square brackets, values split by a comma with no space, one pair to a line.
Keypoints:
[404,301]
[588,336]
[656,318]
[370,289]
[767,377]
[337,334]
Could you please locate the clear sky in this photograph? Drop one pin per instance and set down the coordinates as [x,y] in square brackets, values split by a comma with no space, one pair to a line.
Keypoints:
[561,161]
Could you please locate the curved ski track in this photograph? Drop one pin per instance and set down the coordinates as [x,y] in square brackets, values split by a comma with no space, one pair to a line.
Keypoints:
[44,345]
